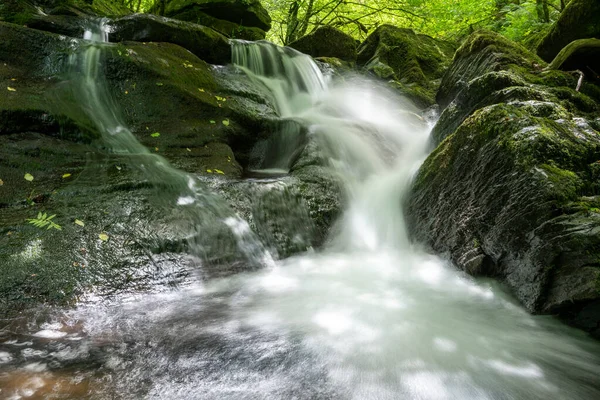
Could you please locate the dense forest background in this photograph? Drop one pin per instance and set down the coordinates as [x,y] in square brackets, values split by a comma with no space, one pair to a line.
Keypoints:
[520,20]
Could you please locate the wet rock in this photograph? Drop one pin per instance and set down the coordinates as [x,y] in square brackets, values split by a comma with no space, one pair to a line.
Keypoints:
[204,42]
[327,41]
[510,190]
[233,18]
[415,62]
[579,20]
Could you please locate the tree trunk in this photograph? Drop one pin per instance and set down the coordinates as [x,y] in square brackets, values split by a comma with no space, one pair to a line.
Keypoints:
[543,11]
[292,23]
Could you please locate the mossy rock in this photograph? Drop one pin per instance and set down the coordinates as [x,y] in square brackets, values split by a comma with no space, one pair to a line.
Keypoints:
[184,111]
[204,42]
[24,12]
[327,41]
[245,13]
[402,55]
[579,20]
[513,171]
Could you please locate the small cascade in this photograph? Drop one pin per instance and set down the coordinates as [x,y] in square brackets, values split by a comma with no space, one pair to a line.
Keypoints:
[207,216]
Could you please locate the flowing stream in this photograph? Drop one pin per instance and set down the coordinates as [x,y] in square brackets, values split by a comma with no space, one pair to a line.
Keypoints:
[370,316]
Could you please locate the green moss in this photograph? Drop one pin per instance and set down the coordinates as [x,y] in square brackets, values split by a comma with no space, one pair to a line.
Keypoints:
[566,184]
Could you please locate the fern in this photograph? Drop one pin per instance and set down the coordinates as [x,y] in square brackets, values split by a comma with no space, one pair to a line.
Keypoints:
[43,221]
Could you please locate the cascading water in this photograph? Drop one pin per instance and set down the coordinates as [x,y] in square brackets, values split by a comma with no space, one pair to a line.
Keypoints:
[368,317]
[204,210]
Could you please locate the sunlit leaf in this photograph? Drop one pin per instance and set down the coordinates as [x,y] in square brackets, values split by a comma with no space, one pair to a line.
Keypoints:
[226,122]
[66,176]
[28,177]
[209,171]
[159,83]
[201,90]
[218,171]
[155,134]
[103,236]
[212,121]
[188,149]
[10,89]
[79,222]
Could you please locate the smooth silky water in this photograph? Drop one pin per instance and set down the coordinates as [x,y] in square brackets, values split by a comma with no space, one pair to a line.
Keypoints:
[371,316]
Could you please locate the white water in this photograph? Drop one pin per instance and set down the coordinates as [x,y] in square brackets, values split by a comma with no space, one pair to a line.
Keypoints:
[369,317]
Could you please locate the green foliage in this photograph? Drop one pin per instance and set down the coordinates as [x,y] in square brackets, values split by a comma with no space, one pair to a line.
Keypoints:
[43,221]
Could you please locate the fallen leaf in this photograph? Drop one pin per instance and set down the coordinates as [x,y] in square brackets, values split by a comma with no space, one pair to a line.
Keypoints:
[103,237]
[226,122]
[66,176]
[28,177]
[78,222]
[155,134]
[218,171]
[10,89]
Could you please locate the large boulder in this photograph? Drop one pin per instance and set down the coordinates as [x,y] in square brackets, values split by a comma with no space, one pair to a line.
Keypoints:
[579,20]
[240,19]
[206,43]
[415,62]
[135,204]
[327,41]
[511,191]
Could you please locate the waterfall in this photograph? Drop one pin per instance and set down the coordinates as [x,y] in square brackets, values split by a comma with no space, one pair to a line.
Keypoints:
[369,316]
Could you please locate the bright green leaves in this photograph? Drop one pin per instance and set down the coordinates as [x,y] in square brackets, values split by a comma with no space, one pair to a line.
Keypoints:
[225,122]
[79,222]
[11,89]
[155,134]
[103,236]
[28,177]
[44,221]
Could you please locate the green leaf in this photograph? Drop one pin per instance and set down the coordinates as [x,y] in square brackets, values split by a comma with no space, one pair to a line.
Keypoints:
[103,236]
[226,122]
[79,222]
[155,134]
[212,121]
[66,176]
[28,177]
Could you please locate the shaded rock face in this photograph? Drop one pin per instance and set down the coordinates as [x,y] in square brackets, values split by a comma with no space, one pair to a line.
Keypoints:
[579,20]
[512,189]
[412,61]
[327,42]
[240,19]
[201,119]
[206,43]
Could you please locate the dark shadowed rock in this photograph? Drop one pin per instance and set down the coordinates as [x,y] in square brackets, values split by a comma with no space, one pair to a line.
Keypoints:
[239,19]
[415,62]
[579,20]
[206,43]
[327,41]
[511,190]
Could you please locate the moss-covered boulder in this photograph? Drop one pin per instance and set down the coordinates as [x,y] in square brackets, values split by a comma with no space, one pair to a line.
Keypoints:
[24,12]
[579,20]
[206,43]
[512,191]
[415,62]
[240,19]
[135,202]
[327,41]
